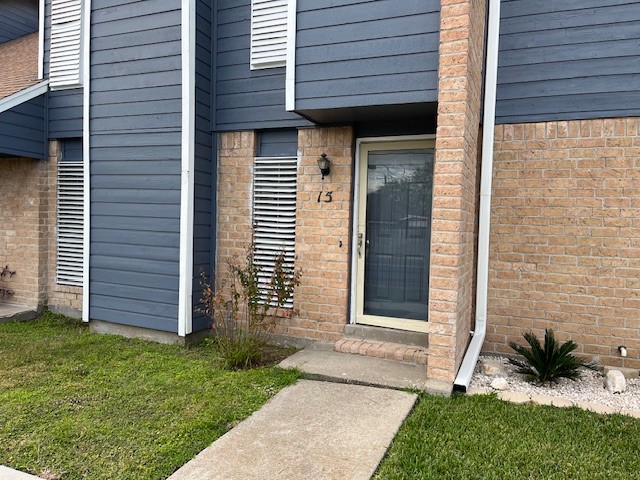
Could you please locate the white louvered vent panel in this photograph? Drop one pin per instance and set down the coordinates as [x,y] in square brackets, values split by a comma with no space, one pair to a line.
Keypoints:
[268,33]
[274,212]
[66,37]
[70,207]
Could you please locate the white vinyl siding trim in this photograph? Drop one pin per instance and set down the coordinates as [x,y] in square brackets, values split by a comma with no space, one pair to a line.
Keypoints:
[274,213]
[70,226]
[66,36]
[269,31]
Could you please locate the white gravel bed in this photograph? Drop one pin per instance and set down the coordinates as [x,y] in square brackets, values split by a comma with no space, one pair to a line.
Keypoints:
[589,388]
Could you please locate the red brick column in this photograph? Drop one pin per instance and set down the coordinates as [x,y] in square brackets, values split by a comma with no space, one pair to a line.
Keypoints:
[452,275]
[322,234]
[24,184]
[235,179]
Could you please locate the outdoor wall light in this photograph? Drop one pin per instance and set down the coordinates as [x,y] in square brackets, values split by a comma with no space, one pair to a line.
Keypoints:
[324,164]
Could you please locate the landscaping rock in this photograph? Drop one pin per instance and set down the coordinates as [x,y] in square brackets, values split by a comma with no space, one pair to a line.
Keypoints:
[629,373]
[550,400]
[542,399]
[615,381]
[478,391]
[588,388]
[514,397]
[562,402]
[492,367]
[500,384]
[630,413]
[596,408]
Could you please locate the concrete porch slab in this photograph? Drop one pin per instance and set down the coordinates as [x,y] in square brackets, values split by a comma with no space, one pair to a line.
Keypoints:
[7,473]
[319,362]
[310,430]
[10,313]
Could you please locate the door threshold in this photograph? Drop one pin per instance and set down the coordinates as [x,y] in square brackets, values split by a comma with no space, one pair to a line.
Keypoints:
[383,334]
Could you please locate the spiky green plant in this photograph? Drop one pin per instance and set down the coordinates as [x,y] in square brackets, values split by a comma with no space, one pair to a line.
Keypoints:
[548,363]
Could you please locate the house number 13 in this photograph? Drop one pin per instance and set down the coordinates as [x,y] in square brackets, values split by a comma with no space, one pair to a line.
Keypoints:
[326,197]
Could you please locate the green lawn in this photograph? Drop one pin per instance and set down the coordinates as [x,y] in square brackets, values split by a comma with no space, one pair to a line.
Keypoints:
[481,437]
[74,404]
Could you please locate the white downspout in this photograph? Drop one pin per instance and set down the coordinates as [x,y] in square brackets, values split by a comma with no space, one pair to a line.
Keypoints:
[86,155]
[484,223]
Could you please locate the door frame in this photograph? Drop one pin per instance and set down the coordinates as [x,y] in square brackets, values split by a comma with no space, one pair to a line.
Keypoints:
[410,325]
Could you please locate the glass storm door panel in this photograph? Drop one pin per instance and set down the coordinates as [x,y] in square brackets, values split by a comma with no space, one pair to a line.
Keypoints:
[394,234]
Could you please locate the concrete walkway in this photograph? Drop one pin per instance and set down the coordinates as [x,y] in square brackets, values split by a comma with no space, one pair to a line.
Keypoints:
[7,473]
[10,312]
[319,361]
[310,430]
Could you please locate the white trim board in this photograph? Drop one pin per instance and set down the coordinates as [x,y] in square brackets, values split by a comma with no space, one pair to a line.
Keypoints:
[22,96]
[86,156]
[290,76]
[185,291]
[355,205]
[41,12]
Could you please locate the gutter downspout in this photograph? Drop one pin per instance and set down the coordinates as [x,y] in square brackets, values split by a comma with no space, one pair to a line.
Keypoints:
[86,155]
[490,86]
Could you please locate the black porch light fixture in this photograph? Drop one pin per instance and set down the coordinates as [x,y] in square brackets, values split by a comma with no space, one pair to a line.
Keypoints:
[324,164]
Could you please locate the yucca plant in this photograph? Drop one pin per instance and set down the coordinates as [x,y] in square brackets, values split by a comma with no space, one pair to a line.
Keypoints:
[548,363]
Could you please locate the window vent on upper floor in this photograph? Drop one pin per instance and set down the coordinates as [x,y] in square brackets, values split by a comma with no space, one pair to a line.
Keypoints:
[66,38]
[274,213]
[70,215]
[268,33]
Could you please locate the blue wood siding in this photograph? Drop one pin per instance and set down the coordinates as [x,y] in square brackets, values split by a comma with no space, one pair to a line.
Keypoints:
[204,206]
[71,150]
[278,143]
[575,59]
[65,113]
[135,162]
[22,129]
[245,99]
[65,106]
[17,18]
[352,53]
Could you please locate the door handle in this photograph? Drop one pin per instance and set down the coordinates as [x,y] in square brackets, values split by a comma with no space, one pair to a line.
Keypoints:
[360,238]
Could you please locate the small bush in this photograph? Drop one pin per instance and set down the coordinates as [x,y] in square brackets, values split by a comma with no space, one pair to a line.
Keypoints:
[243,312]
[548,363]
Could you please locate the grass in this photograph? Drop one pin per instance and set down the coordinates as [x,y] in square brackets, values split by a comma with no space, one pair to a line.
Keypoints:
[78,405]
[481,437]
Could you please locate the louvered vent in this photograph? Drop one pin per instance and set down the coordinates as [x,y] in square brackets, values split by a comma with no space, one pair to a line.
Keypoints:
[66,35]
[274,212]
[268,33]
[70,208]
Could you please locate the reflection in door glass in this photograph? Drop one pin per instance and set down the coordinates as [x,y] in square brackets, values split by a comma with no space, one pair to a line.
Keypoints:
[398,233]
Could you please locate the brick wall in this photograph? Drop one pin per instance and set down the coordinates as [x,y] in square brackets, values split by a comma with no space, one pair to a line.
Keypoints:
[322,234]
[23,207]
[65,298]
[565,236]
[235,177]
[27,233]
[21,55]
[322,229]
[454,225]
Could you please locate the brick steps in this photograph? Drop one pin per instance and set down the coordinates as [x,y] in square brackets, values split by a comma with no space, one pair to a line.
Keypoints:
[411,354]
